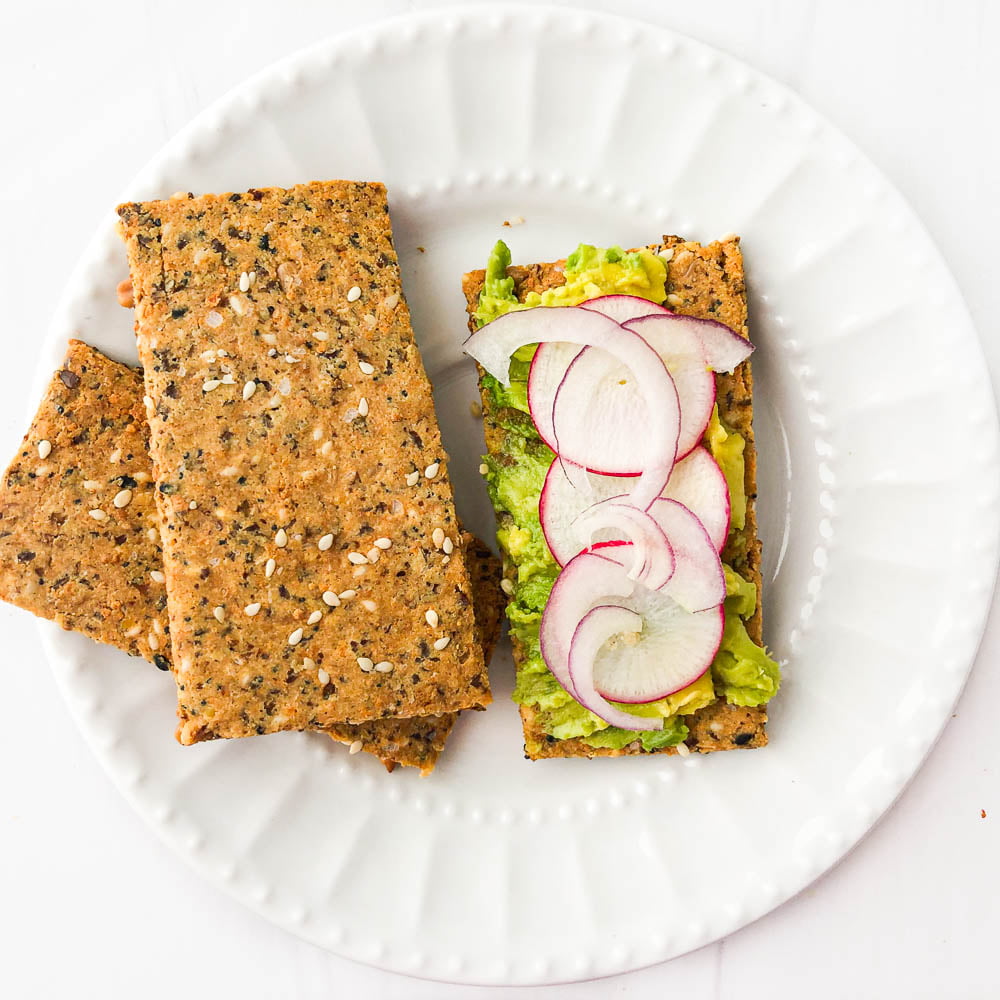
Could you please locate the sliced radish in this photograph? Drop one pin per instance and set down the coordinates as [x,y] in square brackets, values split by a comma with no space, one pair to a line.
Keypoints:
[585,581]
[698,582]
[653,447]
[601,625]
[696,481]
[674,648]
[592,372]
[722,349]
[652,555]
[622,308]
[548,369]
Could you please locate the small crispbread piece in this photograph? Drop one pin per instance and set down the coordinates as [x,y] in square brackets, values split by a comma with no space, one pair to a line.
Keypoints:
[79,529]
[706,282]
[418,742]
[292,430]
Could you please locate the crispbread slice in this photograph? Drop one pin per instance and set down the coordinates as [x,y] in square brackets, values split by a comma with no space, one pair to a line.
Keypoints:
[292,427]
[707,282]
[103,577]
[79,530]
[418,742]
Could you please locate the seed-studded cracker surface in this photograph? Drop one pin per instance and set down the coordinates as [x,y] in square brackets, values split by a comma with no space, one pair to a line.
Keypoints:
[706,282]
[418,742]
[79,530]
[292,430]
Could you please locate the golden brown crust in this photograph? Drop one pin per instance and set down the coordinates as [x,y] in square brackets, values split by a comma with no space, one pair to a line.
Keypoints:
[68,552]
[310,469]
[706,282]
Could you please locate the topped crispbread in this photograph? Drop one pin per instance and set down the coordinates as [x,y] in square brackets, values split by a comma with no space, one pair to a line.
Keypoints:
[79,530]
[706,282]
[293,436]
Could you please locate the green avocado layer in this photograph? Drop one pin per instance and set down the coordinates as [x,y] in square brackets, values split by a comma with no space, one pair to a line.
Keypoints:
[742,672]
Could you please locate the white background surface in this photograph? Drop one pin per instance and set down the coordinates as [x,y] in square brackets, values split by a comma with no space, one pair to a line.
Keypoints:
[90,902]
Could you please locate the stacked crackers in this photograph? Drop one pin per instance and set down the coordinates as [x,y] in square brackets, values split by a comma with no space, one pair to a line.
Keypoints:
[289,541]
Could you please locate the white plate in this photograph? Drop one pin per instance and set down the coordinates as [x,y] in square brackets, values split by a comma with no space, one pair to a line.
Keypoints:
[878,502]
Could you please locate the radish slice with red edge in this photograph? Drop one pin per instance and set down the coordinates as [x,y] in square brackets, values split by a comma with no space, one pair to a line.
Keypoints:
[698,582]
[599,626]
[652,554]
[721,348]
[622,308]
[493,345]
[610,441]
[585,581]
[696,481]
[548,369]
[673,650]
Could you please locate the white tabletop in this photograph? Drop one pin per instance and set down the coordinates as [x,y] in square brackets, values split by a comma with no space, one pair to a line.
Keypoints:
[91,904]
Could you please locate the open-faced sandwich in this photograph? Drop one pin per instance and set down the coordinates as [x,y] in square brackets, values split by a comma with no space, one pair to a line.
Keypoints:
[617,398]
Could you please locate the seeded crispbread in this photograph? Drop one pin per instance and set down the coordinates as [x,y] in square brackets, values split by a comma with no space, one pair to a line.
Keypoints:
[291,420]
[97,576]
[706,282]
[79,536]
[418,742]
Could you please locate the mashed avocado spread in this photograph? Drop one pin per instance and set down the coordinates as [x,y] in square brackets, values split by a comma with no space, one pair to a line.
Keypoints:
[742,672]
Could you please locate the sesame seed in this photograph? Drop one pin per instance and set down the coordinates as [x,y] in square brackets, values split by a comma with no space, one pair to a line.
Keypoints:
[321,335]
[330,598]
[432,470]
[483,469]
[193,505]
[346,595]
[356,747]
[683,749]
[384,667]
[369,320]
[446,560]
[153,641]
[122,498]
[229,471]
[666,255]
[208,356]
[252,276]
[252,609]
[237,304]
[363,407]
[44,448]
[275,401]
[91,484]
[117,453]
[391,301]
[148,402]
[295,638]
[322,676]
[244,282]
[249,389]
[210,384]
[476,409]
[366,367]
[134,631]
[350,415]
[413,478]
[357,558]
[269,567]
[373,555]
[674,299]
[325,542]
[359,571]
[440,644]
[431,617]
[228,379]
[157,576]
[220,613]
[354,294]
[437,537]
[213,319]
[506,586]
[365,663]
[152,534]
[448,546]
[291,359]
[98,515]
[281,538]
[369,605]
[269,338]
